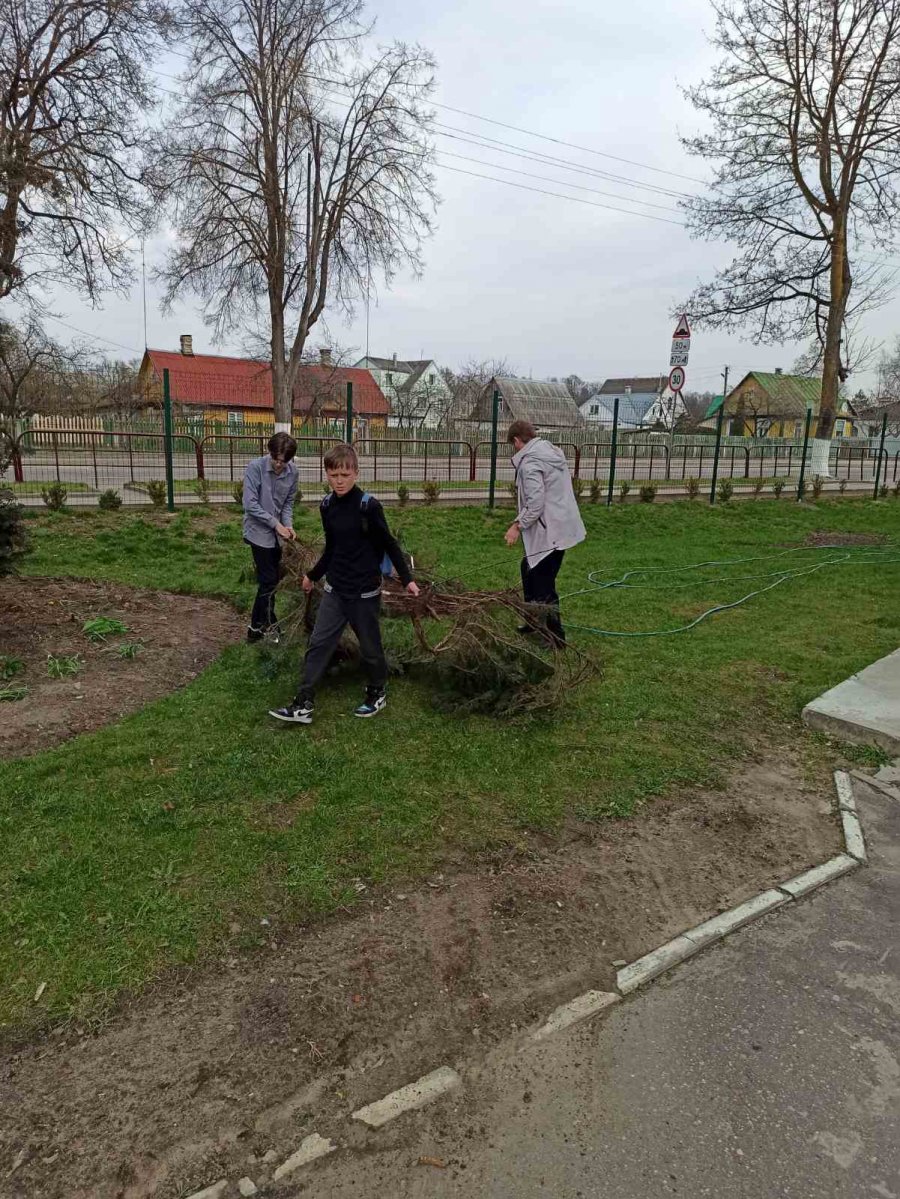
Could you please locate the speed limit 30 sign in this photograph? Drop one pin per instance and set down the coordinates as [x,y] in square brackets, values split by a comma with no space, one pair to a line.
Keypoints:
[677,378]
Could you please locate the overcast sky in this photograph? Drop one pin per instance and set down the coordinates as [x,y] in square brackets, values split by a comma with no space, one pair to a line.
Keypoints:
[552,285]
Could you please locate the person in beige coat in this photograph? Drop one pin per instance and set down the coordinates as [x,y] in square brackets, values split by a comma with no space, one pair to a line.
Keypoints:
[548,520]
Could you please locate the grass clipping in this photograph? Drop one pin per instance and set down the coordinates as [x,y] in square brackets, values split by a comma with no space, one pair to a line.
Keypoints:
[467,641]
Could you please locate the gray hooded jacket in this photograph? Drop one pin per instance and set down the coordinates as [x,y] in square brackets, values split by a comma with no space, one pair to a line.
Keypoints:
[548,511]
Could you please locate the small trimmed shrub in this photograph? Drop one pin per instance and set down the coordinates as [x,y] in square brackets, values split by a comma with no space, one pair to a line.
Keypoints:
[403,495]
[101,627]
[513,491]
[818,484]
[55,496]
[129,649]
[578,488]
[777,488]
[801,489]
[624,488]
[156,490]
[725,490]
[59,666]
[13,538]
[895,490]
[596,491]
[201,490]
[842,486]
[10,667]
[758,484]
[110,500]
[693,487]
[431,491]
[883,491]
[647,493]
[237,492]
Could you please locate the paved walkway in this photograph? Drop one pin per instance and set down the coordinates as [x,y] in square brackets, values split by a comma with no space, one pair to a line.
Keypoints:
[767,1067]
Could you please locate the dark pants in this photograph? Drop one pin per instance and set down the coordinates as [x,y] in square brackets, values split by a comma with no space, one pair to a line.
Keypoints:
[539,587]
[266,559]
[335,613]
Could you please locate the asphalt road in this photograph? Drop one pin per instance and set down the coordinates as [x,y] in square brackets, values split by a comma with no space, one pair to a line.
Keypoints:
[769,1066]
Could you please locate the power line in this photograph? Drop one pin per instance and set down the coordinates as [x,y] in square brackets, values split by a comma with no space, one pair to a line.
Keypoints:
[560,182]
[92,336]
[560,196]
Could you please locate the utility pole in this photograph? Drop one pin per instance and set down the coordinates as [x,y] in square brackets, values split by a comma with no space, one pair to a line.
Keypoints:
[719,422]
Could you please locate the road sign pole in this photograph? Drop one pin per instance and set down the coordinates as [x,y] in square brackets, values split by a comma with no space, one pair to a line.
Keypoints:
[715,470]
[349,424]
[880,457]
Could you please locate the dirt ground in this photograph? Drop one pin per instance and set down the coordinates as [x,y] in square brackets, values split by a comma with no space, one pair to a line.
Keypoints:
[179,636]
[212,1069]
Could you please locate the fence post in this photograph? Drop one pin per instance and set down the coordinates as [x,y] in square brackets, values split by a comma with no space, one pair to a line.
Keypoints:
[495,417]
[720,419]
[167,442]
[613,446]
[198,451]
[880,456]
[349,430]
[801,482]
[18,471]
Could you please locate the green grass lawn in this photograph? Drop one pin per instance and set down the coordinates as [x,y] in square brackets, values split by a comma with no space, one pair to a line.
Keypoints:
[134,848]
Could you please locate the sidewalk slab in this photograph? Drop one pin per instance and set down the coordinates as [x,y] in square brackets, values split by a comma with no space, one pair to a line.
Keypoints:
[864,709]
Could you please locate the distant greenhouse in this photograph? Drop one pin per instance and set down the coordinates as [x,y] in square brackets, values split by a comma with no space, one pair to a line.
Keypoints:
[546,405]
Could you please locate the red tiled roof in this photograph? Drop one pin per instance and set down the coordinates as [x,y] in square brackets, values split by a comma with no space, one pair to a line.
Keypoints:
[211,379]
[216,380]
[326,386]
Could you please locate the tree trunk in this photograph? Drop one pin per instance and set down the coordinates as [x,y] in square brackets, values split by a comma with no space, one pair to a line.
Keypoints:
[831,363]
[282,383]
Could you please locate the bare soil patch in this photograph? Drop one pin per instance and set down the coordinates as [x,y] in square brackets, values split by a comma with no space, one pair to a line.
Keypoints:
[829,537]
[178,636]
[204,1074]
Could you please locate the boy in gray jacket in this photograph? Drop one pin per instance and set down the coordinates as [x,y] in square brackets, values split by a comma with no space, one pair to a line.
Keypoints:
[548,519]
[270,484]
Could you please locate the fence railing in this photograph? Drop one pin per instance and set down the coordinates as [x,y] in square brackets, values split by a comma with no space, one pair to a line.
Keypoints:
[32,460]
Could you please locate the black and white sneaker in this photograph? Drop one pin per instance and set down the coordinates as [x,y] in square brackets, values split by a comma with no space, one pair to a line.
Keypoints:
[254,634]
[298,711]
[375,700]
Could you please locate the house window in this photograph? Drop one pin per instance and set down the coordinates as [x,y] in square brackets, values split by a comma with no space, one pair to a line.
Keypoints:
[235,420]
[431,379]
[595,409]
[389,377]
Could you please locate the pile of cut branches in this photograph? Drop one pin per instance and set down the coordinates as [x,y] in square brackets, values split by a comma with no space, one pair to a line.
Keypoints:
[468,640]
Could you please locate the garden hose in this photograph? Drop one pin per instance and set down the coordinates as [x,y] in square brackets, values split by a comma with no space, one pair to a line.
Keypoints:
[870,556]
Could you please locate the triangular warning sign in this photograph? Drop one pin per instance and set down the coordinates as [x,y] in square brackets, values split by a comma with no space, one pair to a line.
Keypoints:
[682,329]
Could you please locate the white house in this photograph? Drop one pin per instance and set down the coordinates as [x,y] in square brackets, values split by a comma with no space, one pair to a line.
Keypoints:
[416,391]
[644,402]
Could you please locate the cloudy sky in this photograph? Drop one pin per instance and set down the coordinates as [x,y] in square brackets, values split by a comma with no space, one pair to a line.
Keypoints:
[551,284]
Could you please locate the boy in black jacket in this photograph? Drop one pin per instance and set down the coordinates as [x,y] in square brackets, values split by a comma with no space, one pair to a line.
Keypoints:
[356,541]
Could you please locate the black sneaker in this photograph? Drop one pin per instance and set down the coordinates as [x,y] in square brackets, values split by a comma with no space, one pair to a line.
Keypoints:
[254,634]
[298,711]
[375,700]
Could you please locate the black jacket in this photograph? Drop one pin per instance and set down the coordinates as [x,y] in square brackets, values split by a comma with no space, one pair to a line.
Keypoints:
[355,544]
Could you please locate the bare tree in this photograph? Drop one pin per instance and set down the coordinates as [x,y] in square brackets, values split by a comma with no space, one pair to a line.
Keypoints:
[37,374]
[297,171]
[73,90]
[468,382]
[804,110]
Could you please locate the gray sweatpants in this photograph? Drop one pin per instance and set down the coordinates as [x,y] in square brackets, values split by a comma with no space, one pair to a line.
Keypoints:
[335,613]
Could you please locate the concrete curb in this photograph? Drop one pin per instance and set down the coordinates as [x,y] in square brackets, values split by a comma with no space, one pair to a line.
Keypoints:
[569,1014]
[414,1095]
[630,978]
[311,1147]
